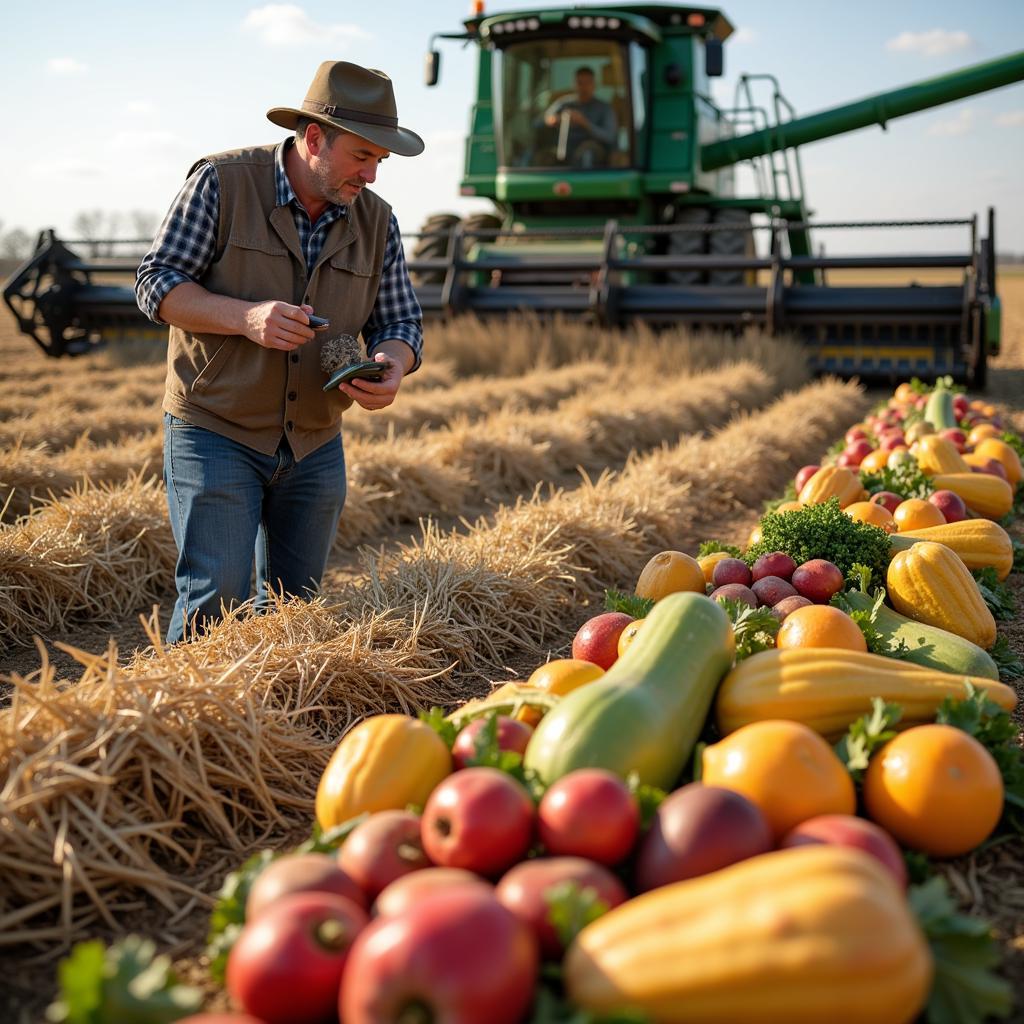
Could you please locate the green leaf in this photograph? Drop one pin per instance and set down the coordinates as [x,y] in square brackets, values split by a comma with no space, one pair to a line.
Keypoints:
[919,867]
[550,1007]
[331,840]
[966,989]
[905,479]
[648,798]
[866,621]
[709,547]
[126,982]
[629,604]
[571,907]
[866,735]
[437,721]
[1007,660]
[753,628]
[859,576]
[998,596]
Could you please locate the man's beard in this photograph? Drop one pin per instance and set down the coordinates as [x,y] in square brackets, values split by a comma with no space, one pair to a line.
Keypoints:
[329,192]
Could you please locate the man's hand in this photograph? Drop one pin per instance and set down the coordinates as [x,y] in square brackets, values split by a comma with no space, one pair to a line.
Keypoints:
[376,394]
[277,324]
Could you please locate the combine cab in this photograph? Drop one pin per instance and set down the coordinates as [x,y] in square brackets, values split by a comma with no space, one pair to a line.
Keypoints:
[613,178]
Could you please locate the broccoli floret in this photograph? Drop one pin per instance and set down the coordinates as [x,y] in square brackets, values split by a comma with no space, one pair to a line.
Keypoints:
[824,531]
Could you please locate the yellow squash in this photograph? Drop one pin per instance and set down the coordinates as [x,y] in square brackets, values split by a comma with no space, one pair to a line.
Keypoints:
[929,583]
[386,762]
[936,454]
[833,482]
[800,936]
[986,495]
[994,448]
[828,688]
[979,543]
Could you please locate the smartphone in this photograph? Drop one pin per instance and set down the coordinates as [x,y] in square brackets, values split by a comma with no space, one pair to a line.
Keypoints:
[319,323]
[370,370]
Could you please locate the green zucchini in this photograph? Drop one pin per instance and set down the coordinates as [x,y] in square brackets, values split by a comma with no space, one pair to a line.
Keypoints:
[928,645]
[645,713]
[938,410]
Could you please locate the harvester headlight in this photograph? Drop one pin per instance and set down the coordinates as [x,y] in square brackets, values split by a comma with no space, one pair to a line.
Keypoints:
[521,25]
[587,22]
[574,22]
[497,29]
[533,24]
[599,23]
[614,23]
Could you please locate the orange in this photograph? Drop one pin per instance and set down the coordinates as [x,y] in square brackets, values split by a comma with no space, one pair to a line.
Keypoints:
[708,563]
[917,514]
[874,462]
[559,677]
[980,432]
[628,635]
[754,538]
[905,393]
[935,789]
[785,768]
[668,573]
[876,515]
[820,625]
[789,506]
[994,448]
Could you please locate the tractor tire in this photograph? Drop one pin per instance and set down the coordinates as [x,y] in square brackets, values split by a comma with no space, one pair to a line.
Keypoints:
[433,246]
[481,222]
[732,243]
[688,243]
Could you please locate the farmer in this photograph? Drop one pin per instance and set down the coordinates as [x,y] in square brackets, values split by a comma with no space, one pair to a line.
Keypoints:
[256,241]
[591,128]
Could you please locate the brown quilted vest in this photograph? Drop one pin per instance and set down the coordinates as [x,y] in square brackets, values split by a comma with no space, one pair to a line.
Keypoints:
[239,389]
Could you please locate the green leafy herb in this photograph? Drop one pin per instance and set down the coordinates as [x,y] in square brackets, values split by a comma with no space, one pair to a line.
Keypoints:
[773,503]
[571,907]
[753,628]
[125,982]
[648,798]
[866,735]
[993,728]
[331,840]
[550,1007]
[835,449]
[487,752]
[859,576]
[629,604]
[437,721]
[709,547]
[1015,441]
[1007,660]
[824,531]
[998,596]
[867,619]
[966,989]
[904,479]
[919,867]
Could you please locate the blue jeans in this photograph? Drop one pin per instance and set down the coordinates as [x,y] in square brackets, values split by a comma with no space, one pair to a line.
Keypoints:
[229,504]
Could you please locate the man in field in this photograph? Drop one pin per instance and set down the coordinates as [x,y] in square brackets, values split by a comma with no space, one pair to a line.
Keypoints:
[256,241]
[589,133]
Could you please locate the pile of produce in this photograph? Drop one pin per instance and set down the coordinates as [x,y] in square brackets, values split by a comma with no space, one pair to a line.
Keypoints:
[729,804]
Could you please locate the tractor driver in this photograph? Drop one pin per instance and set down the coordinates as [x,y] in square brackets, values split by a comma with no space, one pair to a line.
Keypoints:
[591,130]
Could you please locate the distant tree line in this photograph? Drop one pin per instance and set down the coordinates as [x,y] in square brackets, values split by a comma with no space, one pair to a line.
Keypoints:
[102,229]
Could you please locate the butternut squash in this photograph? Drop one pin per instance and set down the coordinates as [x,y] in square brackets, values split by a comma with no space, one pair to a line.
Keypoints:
[979,543]
[385,762]
[937,454]
[929,583]
[833,482]
[828,688]
[986,495]
[798,936]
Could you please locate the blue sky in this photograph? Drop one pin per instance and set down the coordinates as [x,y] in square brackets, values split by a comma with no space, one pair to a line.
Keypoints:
[109,102]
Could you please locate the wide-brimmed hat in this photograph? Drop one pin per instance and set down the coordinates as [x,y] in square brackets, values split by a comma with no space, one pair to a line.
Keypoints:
[360,100]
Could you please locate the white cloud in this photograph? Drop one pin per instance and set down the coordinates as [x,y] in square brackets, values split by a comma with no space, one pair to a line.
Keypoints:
[69,171]
[935,42]
[961,124]
[148,143]
[66,66]
[140,108]
[1011,119]
[741,36]
[290,25]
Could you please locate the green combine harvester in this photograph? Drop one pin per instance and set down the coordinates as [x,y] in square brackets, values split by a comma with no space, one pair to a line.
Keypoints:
[613,177]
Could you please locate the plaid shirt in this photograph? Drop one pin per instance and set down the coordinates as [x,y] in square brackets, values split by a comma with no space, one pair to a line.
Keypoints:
[186,243]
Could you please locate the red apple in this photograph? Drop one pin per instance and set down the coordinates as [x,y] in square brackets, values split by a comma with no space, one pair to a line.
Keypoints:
[855,434]
[956,436]
[479,819]
[960,406]
[887,499]
[589,813]
[847,830]
[775,563]
[847,461]
[699,829]
[993,467]
[526,888]
[735,592]
[770,590]
[384,847]
[818,579]
[803,475]
[408,890]
[951,505]
[731,570]
[597,640]
[457,955]
[788,605]
[511,734]
[892,440]
[300,872]
[859,449]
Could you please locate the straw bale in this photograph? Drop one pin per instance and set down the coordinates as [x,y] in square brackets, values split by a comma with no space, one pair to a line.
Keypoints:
[58,427]
[28,475]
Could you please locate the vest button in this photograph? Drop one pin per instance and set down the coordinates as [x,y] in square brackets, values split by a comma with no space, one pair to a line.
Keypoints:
[290,425]
[295,357]
[292,395]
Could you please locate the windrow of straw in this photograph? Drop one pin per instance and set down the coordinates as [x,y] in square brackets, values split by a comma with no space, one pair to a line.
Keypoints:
[96,555]
[123,781]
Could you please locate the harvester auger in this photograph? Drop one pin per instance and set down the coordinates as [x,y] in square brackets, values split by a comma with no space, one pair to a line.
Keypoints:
[640,220]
